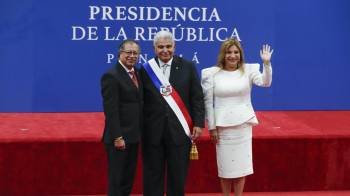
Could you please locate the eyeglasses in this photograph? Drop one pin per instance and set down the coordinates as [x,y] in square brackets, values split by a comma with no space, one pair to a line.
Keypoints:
[130,52]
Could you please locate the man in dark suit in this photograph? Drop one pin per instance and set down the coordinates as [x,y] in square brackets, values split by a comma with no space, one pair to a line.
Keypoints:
[165,145]
[122,104]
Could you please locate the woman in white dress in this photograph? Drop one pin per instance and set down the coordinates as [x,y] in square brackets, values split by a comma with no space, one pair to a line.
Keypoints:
[227,87]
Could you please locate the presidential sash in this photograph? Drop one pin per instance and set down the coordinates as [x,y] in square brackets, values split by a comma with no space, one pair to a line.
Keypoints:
[169,94]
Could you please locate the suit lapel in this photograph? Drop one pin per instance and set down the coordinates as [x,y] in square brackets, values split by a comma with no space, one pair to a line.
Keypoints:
[174,71]
[124,75]
[137,72]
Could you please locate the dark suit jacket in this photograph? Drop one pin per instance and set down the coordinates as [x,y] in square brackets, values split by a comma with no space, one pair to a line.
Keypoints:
[158,116]
[122,104]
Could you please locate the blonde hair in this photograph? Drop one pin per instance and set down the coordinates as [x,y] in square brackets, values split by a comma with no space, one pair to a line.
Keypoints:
[223,49]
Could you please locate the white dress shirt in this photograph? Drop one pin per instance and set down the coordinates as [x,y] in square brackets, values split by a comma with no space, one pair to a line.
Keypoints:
[165,69]
[127,70]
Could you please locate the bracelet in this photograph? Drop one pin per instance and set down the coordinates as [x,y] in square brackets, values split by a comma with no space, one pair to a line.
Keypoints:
[267,65]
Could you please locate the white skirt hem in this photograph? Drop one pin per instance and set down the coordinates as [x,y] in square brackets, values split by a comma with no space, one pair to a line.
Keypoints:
[236,175]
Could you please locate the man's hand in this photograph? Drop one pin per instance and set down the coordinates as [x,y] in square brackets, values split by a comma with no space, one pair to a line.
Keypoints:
[119,143]
[196,132]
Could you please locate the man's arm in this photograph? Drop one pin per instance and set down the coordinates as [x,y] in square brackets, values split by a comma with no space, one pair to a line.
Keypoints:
[197,103]
[110,94]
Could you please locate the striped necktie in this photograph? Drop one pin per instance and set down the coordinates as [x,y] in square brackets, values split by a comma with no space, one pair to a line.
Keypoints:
[134,78]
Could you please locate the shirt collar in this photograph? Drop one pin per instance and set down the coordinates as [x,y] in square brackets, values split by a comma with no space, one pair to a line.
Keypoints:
[126,69]
[161,63]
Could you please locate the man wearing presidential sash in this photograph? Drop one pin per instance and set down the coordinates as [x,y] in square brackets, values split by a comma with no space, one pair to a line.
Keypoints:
[173,117]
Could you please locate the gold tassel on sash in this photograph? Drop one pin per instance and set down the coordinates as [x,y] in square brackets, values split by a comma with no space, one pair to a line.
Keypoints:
[194,152]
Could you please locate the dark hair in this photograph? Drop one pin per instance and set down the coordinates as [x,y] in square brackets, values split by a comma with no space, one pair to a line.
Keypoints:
[127,41]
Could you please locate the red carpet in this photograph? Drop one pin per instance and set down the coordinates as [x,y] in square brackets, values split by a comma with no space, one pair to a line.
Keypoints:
[306,193]
[315,193]
[61,153]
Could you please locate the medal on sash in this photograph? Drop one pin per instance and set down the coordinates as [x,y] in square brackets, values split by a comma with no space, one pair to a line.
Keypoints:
[166,90]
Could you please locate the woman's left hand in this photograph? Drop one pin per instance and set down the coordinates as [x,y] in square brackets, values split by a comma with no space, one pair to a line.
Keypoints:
[214,135]
[266,53]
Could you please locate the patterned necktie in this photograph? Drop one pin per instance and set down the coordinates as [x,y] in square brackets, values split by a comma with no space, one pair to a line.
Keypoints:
[134,78]
[164,67]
